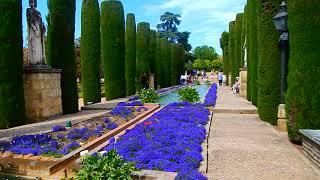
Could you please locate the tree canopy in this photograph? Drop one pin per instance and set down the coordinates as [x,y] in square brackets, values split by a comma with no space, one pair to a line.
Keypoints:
[168,28]
[205,53]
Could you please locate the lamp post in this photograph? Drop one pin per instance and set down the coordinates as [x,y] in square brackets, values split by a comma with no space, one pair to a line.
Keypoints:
[281,23]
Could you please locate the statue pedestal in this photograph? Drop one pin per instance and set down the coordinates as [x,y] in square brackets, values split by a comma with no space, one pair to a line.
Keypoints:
[243,83]
[282,120]
[42,91]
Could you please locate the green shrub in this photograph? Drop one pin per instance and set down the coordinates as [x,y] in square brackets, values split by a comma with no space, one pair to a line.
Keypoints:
[231,50]
[143,57]
[189,94]
[303,95]
[253,49]
[90,51]
[148,96]
[208,83]
[269,61]
[109,166]
[113,48]
[61,54]
[224,43]
[238,45]
[130,54]
[197,82]
[12,104]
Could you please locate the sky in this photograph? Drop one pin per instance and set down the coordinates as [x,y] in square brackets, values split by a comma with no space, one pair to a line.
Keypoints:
[205,19]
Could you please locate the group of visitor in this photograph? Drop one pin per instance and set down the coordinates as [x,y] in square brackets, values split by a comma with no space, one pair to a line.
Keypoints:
[222,80]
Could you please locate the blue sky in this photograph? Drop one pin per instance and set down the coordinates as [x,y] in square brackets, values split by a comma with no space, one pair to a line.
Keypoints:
[205,19]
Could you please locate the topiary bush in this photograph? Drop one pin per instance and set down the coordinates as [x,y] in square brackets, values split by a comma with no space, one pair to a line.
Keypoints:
[238,46]
[130,55]
[90,51]
[165,63]
[12,104]
[224,43]
[189,94]
[253,49]
[303,96]
[61,54]
[269,61]
[143,63]
[113,49]
[231,50]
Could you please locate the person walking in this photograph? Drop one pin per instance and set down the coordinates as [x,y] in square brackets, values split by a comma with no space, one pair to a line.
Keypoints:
[220,78]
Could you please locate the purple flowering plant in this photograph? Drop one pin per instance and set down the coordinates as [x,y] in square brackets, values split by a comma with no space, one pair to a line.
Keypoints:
[164,142]
[211,96]
[122,111]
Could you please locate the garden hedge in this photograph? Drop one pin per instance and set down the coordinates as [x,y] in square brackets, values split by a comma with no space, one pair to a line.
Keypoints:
[243,35]
[113,49]
[224,42]
[269,61]
[245,38]
[303,95]
[253,49]
[90,51]
[165,63]
[61,54]
[182,57]
[143,57]
[152,51]
[238,45]
[231,50]
[159,74]
[130,55]
[177,57]
[12,104]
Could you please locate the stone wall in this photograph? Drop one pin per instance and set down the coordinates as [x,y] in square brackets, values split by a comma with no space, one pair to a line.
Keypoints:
[243,83]
[42,93]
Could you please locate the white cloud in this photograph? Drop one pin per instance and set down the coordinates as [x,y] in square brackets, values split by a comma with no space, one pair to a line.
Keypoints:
[205,19]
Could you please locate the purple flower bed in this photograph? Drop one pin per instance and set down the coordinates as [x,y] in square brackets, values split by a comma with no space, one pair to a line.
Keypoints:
[133,103]
[122,111]
[164,142]
[211,96]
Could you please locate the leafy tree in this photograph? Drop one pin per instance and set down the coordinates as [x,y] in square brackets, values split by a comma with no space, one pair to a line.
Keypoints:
[205,53]
[168,29]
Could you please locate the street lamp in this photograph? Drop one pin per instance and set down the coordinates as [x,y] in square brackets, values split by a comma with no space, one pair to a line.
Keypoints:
[281,23]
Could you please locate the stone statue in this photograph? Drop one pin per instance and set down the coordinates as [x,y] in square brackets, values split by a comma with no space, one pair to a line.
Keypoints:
[245,53]
[36,32]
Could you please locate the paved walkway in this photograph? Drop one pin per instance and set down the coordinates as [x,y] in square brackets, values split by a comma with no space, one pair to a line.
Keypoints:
[241,146]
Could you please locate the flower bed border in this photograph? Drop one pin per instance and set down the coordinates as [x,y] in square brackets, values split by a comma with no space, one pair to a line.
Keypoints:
[53,166]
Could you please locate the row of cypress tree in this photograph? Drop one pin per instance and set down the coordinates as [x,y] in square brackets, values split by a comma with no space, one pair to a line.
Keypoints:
[263,61]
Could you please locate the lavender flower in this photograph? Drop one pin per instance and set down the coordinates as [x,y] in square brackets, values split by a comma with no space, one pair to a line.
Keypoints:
[112,126]
[211,96]
[58,128]
[68,148]
[121,111]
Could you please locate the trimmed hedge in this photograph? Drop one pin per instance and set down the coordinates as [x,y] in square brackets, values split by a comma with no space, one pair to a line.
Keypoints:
[177,59]
[238,45]
[61,54]
[165,63]
[231,51]
[181,61]
[303,95]
[143,57]
[269,61]
[253,49]
[152,51]
[12,104]
[130,55]
[90,51]
[113,49]
[159,74]
[224,43]
[245,33]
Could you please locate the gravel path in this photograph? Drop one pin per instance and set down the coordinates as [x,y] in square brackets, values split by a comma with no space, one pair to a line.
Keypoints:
[241,146]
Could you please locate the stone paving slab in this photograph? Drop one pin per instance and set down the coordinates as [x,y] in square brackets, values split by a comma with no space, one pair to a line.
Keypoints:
[241,146]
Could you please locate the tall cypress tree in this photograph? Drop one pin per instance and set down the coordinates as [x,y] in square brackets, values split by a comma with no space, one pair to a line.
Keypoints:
[61,49]
[12,107]
[175,59]
[130,54]
[90,51]
[303,95]
[165,63]
[243,35]
[238,45]
[269,61]
[231,51]
[244,40]
[159,74]
[224,43]
[152,51]
[143,57]
[181,60]
[253,49]
[113,49]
